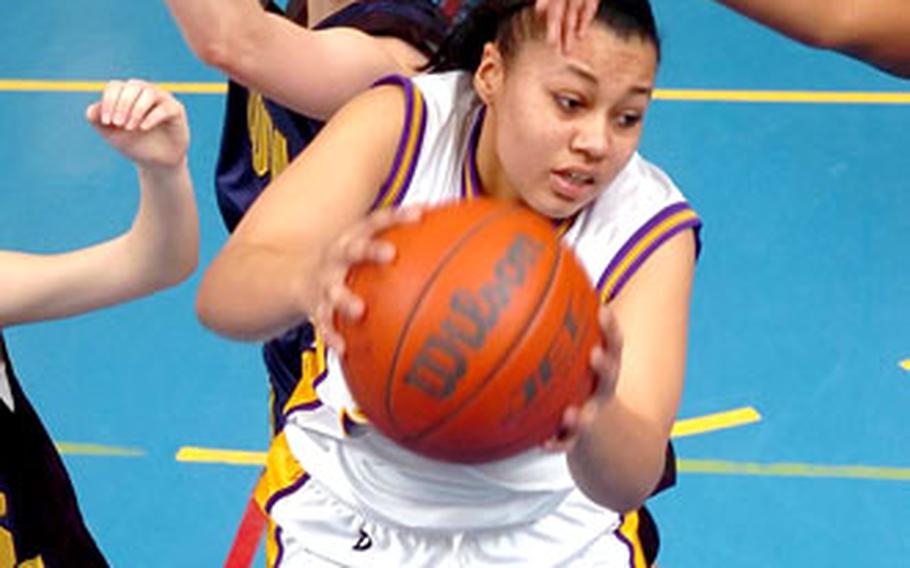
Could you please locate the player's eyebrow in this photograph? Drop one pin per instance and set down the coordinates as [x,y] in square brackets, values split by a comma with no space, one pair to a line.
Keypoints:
[587,74]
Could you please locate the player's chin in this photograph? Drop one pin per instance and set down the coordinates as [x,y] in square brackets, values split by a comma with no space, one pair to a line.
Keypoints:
[556,206]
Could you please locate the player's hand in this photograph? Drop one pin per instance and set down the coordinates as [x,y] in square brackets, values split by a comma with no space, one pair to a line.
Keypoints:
[356,245]
[567,20]
[605,362]
[143,122]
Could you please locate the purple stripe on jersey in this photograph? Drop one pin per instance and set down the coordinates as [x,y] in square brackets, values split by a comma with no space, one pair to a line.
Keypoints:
[387,185]
[348,424]
[279,556]
[470,180]
[638,236]
[285,492]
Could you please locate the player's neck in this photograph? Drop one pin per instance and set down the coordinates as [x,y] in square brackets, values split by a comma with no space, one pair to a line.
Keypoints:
[318,10]
[492,178]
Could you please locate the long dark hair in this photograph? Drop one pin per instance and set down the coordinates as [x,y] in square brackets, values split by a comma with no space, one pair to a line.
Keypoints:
[506,22]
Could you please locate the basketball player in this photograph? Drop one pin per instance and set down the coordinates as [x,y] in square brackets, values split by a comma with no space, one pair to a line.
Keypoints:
[874,31]
[519,120]
[40,523]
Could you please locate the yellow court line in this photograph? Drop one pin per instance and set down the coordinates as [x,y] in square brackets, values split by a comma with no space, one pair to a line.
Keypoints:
[210,455]
[29,85]
[688,466]
[97,450]
[817,97]
[693,95]
[688,427]
[793,470]
[717,421]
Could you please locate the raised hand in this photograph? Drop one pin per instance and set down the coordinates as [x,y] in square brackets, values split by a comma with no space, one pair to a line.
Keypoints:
[567,20]
[143,122]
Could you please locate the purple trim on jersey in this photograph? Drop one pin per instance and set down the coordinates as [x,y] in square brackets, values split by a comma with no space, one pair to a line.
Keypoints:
[281,493]
[312,405]
[348,424]
[401,153]
[279,556]
[470,180]
[644,230]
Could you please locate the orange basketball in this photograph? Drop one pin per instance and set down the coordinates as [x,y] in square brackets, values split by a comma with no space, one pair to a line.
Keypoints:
[476,337]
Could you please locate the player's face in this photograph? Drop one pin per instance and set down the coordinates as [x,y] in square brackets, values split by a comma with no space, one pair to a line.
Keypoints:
[560,127]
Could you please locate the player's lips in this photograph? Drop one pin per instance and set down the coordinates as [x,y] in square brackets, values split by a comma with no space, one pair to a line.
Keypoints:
[572,183]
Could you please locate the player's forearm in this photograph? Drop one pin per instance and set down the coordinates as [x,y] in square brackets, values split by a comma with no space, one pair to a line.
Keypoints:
[162,246]
[874,31]
[814,22]
[251,292]
[618,463]
[159,250]
[217,30]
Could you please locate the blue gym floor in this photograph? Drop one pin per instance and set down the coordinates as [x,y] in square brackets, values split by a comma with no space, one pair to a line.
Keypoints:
[801,308]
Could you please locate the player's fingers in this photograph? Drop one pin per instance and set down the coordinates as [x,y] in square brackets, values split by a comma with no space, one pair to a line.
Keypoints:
[324,320]
[364,248]
[555,14]
[567,435]
[345,302]
[586,16]
[569,25]
[93,113]
[159,114]
[146,99]
[124,105]
[109,98]
[607,370]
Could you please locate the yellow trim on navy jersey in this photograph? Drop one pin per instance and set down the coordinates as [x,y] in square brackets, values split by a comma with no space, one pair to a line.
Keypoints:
[629,532]
[664,225]
[312,371]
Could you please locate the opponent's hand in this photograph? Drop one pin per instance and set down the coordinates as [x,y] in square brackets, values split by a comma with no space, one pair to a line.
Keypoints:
[143,122]
[567,20]
[605,362]
[356,245]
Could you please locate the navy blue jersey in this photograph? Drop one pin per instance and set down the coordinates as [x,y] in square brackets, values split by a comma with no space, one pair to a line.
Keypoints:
[260,137]
[40,522]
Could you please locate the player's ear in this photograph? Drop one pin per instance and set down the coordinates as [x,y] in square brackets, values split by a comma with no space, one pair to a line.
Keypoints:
[490,73]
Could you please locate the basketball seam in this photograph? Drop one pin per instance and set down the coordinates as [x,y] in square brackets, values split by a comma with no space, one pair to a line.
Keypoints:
[456,247]
[505,356]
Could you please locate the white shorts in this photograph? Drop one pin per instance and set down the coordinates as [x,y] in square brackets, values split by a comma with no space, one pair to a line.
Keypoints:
[310,527]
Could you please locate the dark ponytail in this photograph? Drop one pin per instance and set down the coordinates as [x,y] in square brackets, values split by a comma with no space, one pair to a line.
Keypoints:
[498,20]
[486,21]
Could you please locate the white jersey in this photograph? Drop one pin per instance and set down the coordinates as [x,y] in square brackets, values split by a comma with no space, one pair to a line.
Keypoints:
[332,441]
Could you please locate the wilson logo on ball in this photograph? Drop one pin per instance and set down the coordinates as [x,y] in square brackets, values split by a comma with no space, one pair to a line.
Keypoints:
[442,359]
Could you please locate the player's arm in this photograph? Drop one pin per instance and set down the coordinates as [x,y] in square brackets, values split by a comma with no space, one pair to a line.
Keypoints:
[159,250]
[288,257]
[618,454]
[311,72]
[875,31]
